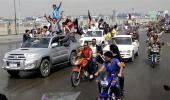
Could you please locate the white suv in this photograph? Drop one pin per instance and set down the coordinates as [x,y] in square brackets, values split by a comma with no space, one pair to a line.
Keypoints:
[93,34]
[128,47]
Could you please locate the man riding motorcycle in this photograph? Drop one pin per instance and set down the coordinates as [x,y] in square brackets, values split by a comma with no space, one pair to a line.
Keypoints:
[113,66]
[86,52]
[116,54]
[154,39]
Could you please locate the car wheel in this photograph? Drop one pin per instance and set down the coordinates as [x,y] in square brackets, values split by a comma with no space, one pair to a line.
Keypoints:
[13,73]
[45,68]
[72,58]
[133,57]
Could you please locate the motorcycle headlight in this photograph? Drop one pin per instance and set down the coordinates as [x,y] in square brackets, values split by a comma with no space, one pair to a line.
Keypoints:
[77,62]
[104,83]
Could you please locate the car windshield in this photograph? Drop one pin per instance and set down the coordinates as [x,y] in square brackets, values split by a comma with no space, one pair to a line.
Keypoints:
[94,34]
[36,43]
[123,40]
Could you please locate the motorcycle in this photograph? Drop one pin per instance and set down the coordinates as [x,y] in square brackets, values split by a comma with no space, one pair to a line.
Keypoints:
[106,82]
[79,72]
[154,57]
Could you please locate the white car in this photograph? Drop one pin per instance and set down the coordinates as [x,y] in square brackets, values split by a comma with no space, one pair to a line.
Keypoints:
[128,47]
[93,34]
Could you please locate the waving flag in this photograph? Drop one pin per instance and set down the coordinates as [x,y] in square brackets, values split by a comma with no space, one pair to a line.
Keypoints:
[130,16]
[89,16]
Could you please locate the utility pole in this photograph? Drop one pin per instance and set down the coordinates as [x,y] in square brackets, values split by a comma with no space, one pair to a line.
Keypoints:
[15,17]
[19,18]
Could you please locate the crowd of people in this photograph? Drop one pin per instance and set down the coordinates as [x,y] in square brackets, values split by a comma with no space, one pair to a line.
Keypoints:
[57,26]
[110,61]
[154,34]
[98,62]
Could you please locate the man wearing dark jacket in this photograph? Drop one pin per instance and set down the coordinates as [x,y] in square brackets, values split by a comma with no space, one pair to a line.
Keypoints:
[26,35]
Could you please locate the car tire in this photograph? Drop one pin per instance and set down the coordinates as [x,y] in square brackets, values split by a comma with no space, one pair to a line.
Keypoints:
[133,57]
[13,73]
[45,68]
[72,58]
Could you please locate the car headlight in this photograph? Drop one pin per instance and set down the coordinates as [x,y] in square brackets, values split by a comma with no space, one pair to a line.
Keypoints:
[6,56]
[125,51]
[128,51]
[81,41]
[31,56]
[99,41]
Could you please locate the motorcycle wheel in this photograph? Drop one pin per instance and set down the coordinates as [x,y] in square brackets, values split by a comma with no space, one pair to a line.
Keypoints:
[75,79]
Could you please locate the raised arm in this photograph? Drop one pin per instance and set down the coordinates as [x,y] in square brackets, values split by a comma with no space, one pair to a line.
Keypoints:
[59,5]
[47,18]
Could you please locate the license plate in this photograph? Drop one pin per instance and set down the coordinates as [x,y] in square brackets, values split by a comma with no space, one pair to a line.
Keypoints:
[13,65]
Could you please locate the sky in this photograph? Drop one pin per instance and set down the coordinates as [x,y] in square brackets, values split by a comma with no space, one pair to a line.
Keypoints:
[79,7]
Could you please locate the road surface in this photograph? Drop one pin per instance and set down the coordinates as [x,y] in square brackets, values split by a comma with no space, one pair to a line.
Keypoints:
[141,81]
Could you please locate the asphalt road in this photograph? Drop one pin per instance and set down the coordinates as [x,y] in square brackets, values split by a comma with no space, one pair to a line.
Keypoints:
[141,81]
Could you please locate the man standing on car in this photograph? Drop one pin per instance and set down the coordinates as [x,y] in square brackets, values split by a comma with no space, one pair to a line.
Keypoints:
[56,11]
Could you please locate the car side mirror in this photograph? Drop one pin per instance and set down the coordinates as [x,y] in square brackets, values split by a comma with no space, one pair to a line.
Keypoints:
[54,45]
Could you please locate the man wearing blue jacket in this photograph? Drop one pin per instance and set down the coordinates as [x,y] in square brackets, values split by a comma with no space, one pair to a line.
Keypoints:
[56,11]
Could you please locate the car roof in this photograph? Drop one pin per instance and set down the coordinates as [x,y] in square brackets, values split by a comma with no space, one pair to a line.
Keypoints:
[123,36]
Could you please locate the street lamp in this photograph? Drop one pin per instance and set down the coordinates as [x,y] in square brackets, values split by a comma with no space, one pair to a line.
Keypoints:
[15,17]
